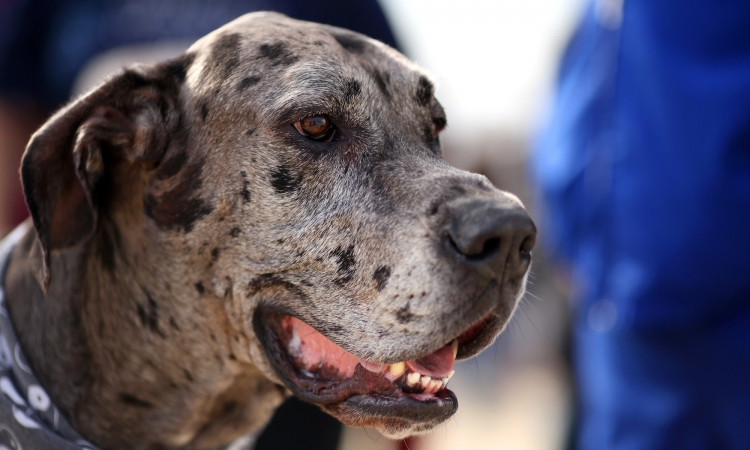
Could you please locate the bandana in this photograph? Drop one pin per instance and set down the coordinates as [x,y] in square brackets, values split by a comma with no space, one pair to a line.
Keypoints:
[28,419]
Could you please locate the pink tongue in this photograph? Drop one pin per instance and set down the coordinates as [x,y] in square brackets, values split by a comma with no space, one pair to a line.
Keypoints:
[435,365]
[313,351]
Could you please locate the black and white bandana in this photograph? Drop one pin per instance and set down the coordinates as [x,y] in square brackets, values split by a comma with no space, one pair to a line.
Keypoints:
[28,419]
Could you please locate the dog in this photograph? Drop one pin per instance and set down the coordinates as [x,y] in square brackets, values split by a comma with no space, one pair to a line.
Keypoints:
[267,214]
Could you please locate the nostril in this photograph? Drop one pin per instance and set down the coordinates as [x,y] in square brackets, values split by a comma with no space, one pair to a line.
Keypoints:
[528,245]
[488,250]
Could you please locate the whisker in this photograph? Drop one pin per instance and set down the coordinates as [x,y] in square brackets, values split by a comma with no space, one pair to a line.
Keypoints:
[529,318]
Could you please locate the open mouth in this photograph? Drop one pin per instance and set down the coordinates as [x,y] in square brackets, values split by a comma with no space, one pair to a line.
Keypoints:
[318,371]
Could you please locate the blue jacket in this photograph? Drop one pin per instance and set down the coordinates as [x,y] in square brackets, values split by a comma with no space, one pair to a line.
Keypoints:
[644,163]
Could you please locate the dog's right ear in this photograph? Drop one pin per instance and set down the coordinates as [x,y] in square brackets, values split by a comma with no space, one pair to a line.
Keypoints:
[131,116]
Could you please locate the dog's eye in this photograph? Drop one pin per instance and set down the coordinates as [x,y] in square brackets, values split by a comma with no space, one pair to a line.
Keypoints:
[438,124]
[318,128]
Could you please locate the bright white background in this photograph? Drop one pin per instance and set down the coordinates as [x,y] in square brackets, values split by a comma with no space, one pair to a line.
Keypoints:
[492,59]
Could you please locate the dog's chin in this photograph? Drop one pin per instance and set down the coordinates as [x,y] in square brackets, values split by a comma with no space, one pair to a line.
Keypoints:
[401,399]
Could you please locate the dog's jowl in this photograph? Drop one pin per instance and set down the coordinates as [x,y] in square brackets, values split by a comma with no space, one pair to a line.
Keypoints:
[267,214]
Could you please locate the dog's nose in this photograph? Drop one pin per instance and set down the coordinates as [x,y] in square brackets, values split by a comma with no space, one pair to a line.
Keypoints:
[492,234]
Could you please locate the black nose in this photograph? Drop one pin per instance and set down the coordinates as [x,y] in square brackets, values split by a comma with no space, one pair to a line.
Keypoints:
[492,234]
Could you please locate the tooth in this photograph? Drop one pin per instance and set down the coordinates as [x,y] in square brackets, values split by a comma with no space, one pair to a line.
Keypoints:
[454,344]
[434,386]
[412,379]
[425,381]
[445,381]
[398,369]
[450,375]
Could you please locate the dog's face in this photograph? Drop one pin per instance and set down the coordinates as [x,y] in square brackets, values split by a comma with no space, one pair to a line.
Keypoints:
[293,171]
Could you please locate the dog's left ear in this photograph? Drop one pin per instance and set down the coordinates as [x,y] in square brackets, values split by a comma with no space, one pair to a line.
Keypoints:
[131,116]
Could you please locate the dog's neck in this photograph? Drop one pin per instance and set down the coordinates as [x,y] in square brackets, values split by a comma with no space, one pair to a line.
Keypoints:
[128,353]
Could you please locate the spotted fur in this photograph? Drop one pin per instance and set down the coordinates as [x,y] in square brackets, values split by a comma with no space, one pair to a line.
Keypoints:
[173,201]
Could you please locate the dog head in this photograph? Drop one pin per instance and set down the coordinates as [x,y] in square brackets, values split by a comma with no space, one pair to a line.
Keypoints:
[289,176]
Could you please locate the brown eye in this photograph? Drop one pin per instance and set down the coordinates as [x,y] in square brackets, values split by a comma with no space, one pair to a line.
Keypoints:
[438,124]
[315,127]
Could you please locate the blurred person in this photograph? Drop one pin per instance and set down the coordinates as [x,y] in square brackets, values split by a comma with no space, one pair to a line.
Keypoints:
[47,47]
[644,169]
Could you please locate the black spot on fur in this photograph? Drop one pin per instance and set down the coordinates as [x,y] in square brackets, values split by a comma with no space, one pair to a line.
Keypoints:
[482,185]
[346,262]
[283,181]
[229,408]
[204,112]
[150,315]
[353,89]
[214,255]
[250,132]
[278,54]
[172,166]
[247,82]
[425,91]
[226,53]
[350,41]
[267,280]
[382,82]
[435,207]
[245,191]
[134,401]
[457,189]
[188,375]
[180,208]
[142,315]
[381,276]
[404,315]
[199,287]
[234,232]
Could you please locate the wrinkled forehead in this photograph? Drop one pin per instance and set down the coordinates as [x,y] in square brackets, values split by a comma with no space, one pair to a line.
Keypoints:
[299,63]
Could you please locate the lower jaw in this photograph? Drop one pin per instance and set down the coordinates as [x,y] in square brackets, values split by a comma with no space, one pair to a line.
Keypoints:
[396,418]
[439,407]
